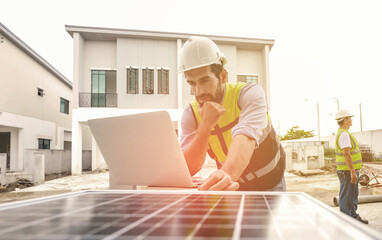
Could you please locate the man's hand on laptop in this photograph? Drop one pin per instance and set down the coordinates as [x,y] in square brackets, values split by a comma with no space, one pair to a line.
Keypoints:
[219,181]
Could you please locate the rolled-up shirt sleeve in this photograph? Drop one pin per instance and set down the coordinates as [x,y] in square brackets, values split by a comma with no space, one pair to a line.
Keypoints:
[189,127]
[253,115]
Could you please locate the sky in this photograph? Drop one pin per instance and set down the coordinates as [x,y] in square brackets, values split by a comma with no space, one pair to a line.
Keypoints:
[327,53]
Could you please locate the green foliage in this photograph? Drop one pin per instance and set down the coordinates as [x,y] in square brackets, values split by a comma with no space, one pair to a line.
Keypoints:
[329,152]
[295,133]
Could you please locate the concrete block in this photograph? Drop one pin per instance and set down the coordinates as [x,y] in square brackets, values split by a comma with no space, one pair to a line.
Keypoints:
[288,158]
[3,168]
[321,157]
[39,168]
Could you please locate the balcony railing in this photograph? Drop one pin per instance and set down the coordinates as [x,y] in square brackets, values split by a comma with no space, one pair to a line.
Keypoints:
[98,100]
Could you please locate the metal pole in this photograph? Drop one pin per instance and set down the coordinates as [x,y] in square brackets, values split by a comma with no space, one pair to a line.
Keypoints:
[318,120]
[338,103]
[360,115]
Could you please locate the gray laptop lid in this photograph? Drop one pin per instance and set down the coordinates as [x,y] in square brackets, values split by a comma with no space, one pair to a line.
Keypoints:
[141,149]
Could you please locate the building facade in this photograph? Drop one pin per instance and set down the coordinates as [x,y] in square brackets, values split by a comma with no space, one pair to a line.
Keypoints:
[121,71]
[35,105]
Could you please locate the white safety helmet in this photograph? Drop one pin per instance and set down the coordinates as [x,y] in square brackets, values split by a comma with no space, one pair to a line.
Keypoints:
[199,52]
[342,114]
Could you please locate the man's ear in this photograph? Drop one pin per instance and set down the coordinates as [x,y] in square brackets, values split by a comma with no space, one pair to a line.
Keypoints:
[224,76]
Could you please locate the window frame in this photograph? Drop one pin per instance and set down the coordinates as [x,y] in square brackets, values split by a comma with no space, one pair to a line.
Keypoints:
[66,106]
[148,90]
[45,142]
[160,72]
[246,75]
[128,83]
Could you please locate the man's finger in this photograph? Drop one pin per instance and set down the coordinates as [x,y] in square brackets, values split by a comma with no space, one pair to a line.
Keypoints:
[232,187]
[200,109]
[211,180]
[222,184]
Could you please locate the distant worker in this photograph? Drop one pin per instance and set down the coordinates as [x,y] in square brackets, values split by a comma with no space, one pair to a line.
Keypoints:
[230,121]
[349,161]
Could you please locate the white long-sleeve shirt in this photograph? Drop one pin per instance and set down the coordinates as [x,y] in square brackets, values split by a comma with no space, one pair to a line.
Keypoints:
[252,119]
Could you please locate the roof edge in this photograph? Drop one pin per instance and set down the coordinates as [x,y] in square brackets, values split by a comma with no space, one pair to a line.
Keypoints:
[71,28]
[29,51]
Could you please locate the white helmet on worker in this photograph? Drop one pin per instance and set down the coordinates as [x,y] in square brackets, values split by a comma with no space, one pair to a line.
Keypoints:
[342,114]
[199,52]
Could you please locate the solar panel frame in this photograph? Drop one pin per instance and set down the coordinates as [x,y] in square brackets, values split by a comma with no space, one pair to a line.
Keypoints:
[142,214]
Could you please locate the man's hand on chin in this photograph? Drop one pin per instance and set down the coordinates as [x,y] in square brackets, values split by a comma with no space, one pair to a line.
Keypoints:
[219,181]
[210,113]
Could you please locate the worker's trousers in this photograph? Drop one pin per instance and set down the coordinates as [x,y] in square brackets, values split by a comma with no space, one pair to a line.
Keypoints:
[348,197]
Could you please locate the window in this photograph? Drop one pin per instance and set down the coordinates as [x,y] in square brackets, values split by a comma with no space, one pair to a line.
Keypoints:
[148,81]
[163,87]
[103,89]
[64,106]
[43,143]
[247,78]
[98,88]
[40,92]
[132,80]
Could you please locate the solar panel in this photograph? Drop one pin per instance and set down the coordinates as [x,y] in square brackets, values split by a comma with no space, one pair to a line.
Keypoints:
[146,214]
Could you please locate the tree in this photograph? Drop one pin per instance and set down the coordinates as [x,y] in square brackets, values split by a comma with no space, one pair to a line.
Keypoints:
[295,133]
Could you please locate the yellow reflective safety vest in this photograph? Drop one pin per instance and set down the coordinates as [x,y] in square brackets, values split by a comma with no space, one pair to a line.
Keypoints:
[266,167]
[355,153]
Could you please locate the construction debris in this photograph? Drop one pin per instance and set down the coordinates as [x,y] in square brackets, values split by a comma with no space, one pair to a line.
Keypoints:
[307,172]
[19,184]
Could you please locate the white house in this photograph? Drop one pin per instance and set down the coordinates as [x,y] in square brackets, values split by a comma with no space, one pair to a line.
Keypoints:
[121,71]
[35,110]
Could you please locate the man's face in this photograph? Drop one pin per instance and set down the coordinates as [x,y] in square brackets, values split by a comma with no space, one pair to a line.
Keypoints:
[350,121]
[205,85]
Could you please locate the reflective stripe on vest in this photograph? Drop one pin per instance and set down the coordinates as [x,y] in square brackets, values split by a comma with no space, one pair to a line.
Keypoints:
[221,138]
[355,153]
[263,171]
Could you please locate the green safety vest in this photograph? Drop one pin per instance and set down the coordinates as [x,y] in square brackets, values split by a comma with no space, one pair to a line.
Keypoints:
[266,167]
[355,153]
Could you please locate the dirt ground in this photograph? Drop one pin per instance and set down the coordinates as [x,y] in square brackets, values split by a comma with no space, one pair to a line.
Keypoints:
[323,187]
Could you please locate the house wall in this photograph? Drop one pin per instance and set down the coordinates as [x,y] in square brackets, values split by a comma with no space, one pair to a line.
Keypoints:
[20,77]
[144,53]
[25,114]
[96,55]
[251,62]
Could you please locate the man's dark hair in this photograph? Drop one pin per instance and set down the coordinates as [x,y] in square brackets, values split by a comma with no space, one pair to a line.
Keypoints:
[217,69]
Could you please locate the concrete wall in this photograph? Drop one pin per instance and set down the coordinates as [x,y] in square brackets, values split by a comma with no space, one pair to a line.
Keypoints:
[56,161]
[304,157]
[25,132]
[372,138]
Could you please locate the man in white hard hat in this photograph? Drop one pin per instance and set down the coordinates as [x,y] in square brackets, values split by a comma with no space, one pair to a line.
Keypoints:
[230,122]
[349,161]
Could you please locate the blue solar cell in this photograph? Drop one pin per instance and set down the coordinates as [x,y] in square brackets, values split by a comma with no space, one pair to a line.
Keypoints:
[174,215]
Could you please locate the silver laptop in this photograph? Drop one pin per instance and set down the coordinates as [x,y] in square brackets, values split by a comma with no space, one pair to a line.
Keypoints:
[141,149]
